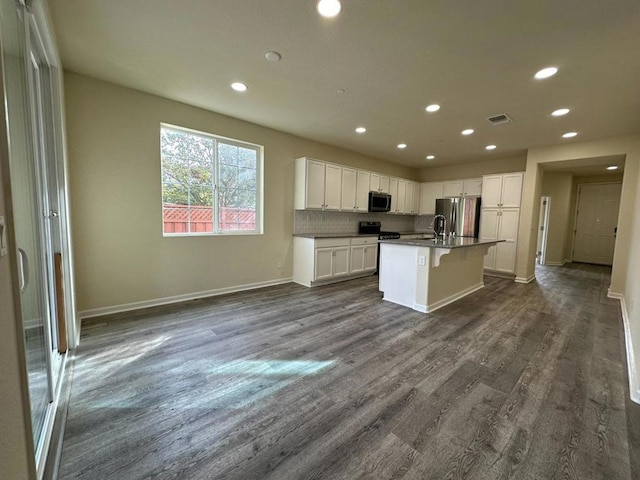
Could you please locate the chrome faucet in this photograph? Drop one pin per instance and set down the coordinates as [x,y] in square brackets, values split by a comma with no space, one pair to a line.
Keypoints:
[443,232]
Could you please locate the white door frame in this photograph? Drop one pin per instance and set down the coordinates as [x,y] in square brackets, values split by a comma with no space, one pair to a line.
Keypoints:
[543,229]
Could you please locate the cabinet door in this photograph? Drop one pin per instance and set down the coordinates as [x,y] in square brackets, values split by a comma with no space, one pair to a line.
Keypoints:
[472,187]
[490,259]
[357,258]
[384,183]
[362,191]
[489,223]
[408,198]
[453,189]
[491,191]
[400,198]
[393,191]
[370,257]
[332,187]
[314,197]
[374,182]
[505,257]
[323,263]
[340,261]
[511,190]
[348,194]
[429,192]
[509,222]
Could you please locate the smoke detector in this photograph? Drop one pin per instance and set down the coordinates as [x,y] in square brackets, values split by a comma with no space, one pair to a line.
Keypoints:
[499,119]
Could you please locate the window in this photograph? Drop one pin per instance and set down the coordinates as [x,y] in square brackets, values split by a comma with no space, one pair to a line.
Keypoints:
[210,185]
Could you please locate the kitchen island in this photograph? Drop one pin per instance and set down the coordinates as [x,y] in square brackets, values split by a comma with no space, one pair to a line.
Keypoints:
[426,275]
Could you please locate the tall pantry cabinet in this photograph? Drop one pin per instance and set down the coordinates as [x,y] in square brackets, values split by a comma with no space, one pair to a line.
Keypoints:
[500,218]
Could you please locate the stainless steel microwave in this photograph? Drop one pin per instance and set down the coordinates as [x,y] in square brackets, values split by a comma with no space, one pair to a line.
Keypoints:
[379,202]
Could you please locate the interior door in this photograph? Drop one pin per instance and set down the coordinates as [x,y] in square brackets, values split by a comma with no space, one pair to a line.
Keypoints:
[596,223]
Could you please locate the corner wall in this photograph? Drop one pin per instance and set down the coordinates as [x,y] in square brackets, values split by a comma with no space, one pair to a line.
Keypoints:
[558,186]
[120,255]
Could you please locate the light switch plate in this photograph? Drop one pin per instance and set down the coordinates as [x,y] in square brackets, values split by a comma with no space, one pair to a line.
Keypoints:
[3,237]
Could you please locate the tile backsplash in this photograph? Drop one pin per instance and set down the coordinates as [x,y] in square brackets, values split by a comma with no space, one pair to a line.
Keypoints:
[316,221]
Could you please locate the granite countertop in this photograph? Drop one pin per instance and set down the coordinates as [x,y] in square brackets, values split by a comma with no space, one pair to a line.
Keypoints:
[456,242]
[349,235]
[334,235]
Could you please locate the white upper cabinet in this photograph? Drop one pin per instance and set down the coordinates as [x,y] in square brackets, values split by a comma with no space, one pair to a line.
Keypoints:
[502,190]
[453,189]
[400,198]
[379,183]
[363,181]
[393,191]
[348,196]
[429,192]
[318,185]
[472,187]
[384,183]
[332,187]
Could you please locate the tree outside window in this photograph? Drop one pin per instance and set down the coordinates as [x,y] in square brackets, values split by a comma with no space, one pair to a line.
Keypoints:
[209,184]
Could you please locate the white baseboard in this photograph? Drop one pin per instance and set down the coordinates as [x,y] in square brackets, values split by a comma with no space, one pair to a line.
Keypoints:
[127,307]
[555,264]
[446,301]
[525,279]
[634,381]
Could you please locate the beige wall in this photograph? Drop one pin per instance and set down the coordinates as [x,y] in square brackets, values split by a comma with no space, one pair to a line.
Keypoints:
[559,187]
[16,457]
[471,170]
[625,277]
[120,254]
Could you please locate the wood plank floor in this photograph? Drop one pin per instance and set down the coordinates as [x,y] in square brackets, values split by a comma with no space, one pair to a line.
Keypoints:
[513,382]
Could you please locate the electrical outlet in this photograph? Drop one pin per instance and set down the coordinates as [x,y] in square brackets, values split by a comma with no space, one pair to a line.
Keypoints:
[279,265]
[3,238]
[422,260]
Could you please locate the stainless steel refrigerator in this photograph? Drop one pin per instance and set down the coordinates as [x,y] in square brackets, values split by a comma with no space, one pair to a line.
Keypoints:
[462,215]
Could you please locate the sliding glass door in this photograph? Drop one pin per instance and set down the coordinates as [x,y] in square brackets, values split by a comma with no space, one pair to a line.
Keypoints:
[36,197]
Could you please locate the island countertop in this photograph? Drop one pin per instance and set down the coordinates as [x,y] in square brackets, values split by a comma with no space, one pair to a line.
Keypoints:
[455,242]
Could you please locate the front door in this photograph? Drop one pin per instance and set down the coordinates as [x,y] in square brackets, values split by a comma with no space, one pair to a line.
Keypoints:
[596,223]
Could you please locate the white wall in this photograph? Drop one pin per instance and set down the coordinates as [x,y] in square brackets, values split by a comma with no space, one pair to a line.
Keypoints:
[120,254]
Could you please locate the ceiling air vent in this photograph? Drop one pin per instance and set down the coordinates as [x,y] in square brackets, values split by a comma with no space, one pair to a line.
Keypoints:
[498,119]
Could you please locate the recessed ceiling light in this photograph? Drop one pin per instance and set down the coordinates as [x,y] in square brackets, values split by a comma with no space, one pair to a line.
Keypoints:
[239,87]
[361,130]
[430,157]
[329,8]
[612,167]
[490,147]
[560,112]
[272,56]
[432,108]
[402,145]
[569,134]
[546,73]
[468,131]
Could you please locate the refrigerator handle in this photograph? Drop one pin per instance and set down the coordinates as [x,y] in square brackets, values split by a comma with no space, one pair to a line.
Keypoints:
[454,219]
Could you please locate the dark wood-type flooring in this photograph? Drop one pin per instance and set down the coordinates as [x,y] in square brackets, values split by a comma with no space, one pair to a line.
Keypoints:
[513,382]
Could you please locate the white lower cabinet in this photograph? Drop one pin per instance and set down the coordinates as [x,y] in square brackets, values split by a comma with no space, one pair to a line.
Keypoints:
[500,224]
[325,260]
[363,255]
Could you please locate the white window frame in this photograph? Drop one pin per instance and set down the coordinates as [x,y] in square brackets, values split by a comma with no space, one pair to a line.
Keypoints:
[216,219]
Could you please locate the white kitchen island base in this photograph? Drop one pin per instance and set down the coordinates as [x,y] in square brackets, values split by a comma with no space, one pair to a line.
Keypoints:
[426,276]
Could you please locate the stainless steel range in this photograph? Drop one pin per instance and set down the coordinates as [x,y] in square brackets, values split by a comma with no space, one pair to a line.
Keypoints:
[375,228]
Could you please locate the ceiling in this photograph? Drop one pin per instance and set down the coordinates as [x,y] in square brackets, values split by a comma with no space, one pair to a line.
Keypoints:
[390,58]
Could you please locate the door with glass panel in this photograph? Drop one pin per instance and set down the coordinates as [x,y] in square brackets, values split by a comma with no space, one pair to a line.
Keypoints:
[29,137]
